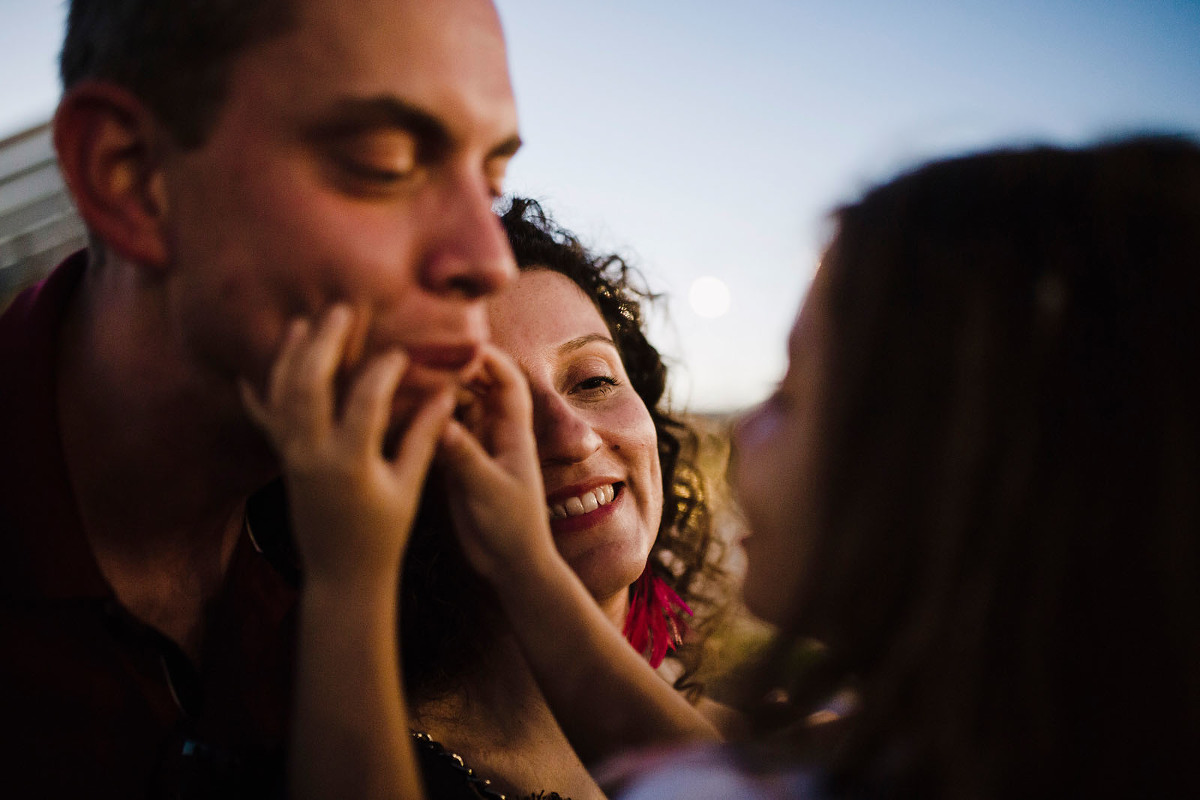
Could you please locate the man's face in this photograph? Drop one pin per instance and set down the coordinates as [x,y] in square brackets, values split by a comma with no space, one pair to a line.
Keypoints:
[355,160]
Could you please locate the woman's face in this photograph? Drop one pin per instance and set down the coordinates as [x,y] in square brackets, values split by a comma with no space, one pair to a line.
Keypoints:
[775,446]
[595,438]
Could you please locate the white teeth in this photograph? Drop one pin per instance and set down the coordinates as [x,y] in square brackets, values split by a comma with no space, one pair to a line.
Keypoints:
[584,503]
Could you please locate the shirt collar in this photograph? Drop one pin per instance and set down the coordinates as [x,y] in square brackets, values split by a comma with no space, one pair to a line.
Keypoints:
[41,535]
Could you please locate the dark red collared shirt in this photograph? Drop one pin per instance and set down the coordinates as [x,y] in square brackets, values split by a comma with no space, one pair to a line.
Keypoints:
[93,703]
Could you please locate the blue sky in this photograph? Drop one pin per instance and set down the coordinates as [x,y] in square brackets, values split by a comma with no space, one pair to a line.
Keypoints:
[712,138]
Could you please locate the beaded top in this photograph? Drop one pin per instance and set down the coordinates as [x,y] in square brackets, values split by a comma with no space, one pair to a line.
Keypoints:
[473,783]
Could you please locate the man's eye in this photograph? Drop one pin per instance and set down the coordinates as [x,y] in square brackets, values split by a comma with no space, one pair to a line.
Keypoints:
[380,160]
[370,172]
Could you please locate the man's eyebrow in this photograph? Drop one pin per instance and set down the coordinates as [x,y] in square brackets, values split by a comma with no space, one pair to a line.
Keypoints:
[506,149]
[353,115]
[582,341]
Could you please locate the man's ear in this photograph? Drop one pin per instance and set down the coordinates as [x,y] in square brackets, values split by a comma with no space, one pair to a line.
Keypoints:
[108,145]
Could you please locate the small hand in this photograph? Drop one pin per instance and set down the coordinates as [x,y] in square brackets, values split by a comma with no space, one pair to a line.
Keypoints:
[492,473]
[352,507]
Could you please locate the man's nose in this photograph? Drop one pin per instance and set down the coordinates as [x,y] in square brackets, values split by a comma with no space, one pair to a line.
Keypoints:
[471,256]
[564,435]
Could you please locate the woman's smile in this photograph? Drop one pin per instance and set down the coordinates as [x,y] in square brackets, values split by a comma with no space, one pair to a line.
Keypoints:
[578,512]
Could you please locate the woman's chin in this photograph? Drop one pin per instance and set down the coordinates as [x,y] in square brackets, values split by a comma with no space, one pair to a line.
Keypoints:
[607,575]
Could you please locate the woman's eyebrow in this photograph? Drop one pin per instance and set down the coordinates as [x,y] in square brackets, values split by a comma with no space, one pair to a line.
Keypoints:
[582,341]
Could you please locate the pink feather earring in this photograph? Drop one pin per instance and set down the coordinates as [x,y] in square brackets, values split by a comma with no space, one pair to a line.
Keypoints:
[654,624]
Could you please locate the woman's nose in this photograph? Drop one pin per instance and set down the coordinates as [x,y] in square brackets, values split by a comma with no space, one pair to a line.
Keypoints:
[564,434]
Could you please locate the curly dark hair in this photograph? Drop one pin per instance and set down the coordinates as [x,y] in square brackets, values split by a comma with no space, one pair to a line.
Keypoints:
[440,614]
[1006,563]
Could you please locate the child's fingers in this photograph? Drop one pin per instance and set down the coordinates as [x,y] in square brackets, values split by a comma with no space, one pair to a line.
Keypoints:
[254,406]
[463,458]
[509,406]
[355,347]
[285,360]
[317,361]
[423,433]
[303,390]
[369,404]
[471,412]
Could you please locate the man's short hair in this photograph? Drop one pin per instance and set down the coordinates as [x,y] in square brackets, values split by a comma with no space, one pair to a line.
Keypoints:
[175,55]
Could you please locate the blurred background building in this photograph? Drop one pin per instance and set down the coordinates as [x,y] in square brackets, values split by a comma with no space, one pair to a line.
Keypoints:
[38,223]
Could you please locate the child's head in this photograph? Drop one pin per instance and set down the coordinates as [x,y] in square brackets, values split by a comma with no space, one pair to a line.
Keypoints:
[985,464]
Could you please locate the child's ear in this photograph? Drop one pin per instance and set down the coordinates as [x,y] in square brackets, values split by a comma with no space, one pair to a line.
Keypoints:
[107,151]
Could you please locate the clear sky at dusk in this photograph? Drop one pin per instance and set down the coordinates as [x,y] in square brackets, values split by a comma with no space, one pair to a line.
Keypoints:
[708,138]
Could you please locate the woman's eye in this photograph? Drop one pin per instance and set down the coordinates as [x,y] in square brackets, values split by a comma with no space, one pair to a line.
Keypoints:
[599,383]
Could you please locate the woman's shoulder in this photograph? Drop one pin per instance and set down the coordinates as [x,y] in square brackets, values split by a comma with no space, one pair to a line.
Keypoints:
[709,772]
